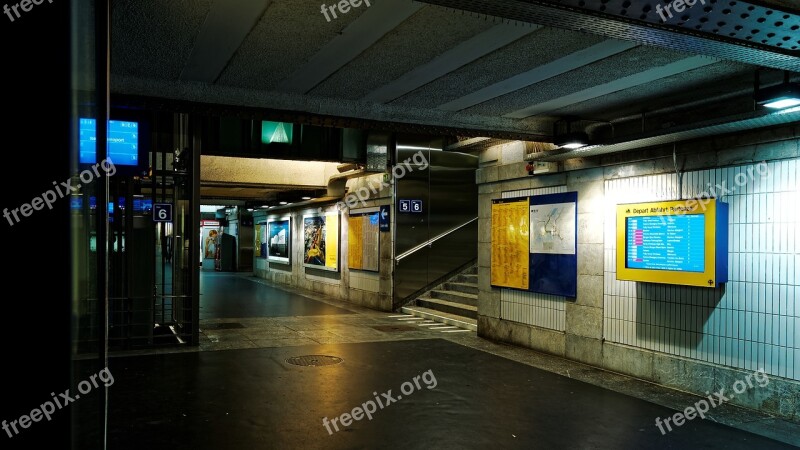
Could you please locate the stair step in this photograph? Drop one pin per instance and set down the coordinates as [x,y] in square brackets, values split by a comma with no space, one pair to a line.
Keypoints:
[466,278]
[441,317]
[471,271]
[467,288]
[458,309]
[455,297]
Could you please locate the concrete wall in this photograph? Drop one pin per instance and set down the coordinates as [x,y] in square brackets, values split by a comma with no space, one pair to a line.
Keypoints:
[277,172]
[753,323]
[364,288]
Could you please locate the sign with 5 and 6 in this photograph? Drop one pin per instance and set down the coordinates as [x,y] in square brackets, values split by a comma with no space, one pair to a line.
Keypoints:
[162,212]
[410,206]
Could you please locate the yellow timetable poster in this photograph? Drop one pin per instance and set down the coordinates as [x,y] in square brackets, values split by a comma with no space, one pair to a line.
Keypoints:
[258,240]
[332,240]
[355,251]
[510,243]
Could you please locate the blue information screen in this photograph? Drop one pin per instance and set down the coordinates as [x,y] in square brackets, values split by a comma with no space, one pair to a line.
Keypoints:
[123,142]
[674,243]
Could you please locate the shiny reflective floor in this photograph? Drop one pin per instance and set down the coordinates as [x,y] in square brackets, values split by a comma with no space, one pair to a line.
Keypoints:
[423,386]
[225,295]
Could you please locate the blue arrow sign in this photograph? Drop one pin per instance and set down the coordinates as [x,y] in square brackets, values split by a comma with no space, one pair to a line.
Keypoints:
[383,218]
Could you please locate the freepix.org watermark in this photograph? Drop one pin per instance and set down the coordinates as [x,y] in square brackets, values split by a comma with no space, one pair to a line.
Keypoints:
[48,408]
[678,5]
[712,192]
[399,171]
[344,7]
[369,407]
[703,406]
[24,5]
[49,197]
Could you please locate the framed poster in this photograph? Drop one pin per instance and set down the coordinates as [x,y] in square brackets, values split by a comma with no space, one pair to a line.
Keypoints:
[321,241]
[257,237]
[279,239]
[510,242]
[363,237]
[260,233]
[553,244]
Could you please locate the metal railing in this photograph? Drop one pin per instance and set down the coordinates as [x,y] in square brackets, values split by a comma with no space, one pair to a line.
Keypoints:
[430,241]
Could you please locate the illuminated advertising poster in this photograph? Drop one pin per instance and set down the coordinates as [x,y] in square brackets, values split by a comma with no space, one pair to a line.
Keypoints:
[257,246]
[332,241]
[278,240]
[209,232]
[321,241]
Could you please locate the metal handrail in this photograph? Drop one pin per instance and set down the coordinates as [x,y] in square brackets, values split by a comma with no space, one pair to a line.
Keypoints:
[432,240]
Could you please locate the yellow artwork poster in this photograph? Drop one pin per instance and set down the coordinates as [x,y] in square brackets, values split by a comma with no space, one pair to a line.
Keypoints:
[258,241]
[332,240]
[510,243]
[355,250]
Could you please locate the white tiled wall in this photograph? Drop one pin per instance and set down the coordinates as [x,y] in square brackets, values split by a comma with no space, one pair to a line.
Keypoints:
[531,308]
[753,321]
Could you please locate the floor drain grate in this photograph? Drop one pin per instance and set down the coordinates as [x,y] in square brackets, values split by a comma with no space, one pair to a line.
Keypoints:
[314,360]
[222,326]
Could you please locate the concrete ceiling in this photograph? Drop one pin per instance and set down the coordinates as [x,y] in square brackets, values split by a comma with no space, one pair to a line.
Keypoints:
[412,62]
[498,69]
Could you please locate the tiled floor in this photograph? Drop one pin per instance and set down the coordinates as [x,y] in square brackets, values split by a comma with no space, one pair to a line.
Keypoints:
[339,326]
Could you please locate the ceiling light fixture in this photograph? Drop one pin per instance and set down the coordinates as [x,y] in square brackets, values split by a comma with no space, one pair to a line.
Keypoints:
[781,96]
[306,198]
[570,140]
[283,203]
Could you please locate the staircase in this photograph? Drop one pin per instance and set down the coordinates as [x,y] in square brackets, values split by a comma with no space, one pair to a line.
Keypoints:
[454,302]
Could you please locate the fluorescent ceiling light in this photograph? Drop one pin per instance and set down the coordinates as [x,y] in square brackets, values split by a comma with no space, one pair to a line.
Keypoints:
[306,198]
[786,95]
[572,140]
[283,203]
[783,103]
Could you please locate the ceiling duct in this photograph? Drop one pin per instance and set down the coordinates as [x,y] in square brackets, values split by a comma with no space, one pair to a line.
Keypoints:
[724,125]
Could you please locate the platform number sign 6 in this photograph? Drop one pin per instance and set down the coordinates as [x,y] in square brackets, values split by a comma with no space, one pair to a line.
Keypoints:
[162,212]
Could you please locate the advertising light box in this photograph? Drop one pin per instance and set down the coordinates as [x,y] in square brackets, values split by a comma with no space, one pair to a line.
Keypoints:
[676,242]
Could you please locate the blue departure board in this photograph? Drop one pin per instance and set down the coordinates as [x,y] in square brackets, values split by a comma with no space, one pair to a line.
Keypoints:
[668,242]
[123,142]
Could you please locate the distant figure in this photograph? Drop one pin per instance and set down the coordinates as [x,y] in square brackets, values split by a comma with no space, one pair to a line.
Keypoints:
[166,247]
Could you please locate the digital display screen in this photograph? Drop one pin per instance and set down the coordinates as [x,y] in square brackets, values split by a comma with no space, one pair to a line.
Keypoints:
[142,205]
[123,142]
[668,242]
[276,132]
